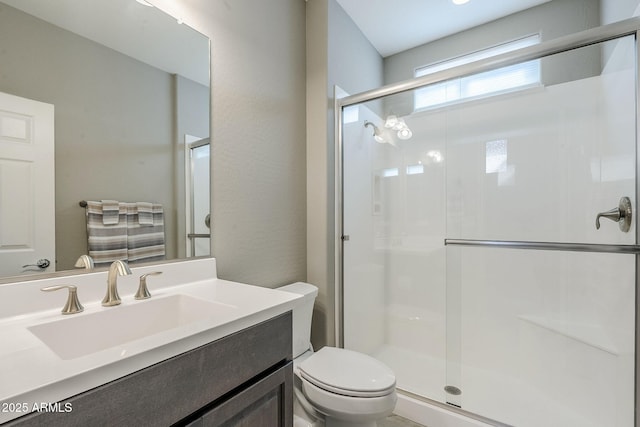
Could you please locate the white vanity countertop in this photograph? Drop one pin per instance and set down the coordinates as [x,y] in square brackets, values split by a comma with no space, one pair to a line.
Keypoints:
[31,373]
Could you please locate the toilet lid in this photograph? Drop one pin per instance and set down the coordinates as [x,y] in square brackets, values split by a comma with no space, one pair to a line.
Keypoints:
[348,373]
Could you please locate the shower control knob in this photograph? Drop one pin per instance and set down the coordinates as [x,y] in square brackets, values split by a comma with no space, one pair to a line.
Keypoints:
[622,215]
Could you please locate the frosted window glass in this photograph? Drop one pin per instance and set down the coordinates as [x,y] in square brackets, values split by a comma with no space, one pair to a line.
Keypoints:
[488,83]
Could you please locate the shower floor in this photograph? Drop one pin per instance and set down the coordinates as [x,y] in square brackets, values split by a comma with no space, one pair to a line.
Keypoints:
[416,373]
[485,393]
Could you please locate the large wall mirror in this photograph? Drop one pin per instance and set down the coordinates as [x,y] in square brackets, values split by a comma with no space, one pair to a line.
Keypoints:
[129,90]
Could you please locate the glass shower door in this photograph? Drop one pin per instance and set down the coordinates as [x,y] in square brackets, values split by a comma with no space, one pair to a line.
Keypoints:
[471,261]
[542,325]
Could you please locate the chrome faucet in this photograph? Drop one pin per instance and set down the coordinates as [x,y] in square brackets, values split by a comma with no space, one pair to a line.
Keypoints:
[85,261]
[117,268]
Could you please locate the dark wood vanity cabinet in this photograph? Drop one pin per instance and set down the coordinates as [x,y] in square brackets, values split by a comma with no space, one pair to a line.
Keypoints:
[242,380]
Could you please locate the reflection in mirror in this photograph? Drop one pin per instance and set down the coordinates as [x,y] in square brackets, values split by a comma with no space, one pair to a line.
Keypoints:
[114,88]
[197,178]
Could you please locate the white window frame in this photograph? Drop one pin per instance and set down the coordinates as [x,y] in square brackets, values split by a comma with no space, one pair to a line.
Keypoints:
[481,85]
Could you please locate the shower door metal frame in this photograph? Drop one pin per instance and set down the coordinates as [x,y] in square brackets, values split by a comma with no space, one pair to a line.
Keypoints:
[191,234]
[628,27]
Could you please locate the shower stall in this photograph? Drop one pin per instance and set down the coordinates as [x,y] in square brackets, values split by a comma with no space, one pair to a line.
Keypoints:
[491,258]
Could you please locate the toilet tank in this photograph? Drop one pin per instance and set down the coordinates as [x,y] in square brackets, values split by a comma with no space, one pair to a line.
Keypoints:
[302,313]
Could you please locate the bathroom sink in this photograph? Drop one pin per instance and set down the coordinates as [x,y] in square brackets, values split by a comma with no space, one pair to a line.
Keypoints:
[87,333]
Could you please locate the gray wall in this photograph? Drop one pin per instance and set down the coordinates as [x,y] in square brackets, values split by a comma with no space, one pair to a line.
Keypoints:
[337,54]
[114,123]
[272,181]
[258,135]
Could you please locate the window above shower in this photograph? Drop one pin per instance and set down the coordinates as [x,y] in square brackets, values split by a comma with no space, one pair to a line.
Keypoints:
[479,85]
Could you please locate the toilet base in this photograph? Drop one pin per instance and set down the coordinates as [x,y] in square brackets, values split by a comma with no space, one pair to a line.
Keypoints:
[302,418]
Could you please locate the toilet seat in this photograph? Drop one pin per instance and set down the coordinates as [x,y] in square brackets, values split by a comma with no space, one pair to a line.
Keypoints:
[348,373]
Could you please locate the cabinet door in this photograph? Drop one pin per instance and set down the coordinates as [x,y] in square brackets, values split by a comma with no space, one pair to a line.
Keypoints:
[267,403]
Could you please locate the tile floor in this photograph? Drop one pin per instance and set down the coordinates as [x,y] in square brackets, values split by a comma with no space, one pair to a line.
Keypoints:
[397,421]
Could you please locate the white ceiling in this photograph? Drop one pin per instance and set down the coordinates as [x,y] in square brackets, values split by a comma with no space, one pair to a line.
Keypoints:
[393,26]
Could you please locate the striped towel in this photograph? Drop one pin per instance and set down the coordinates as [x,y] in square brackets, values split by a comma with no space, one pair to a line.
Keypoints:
[110,212]
[145,235]
[145,213]
[107,243]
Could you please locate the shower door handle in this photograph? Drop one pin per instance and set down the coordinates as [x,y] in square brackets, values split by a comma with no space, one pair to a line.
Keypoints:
[622,215]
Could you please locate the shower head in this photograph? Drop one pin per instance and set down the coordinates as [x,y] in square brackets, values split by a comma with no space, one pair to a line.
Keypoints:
[376,132]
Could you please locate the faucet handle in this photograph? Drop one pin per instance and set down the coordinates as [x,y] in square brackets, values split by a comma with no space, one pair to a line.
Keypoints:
[143,291]
[73,304]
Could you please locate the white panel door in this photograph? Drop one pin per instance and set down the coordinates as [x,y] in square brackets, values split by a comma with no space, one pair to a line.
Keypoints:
[27,186]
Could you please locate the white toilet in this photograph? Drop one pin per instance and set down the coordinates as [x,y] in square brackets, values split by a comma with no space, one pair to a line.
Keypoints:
[335,387]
